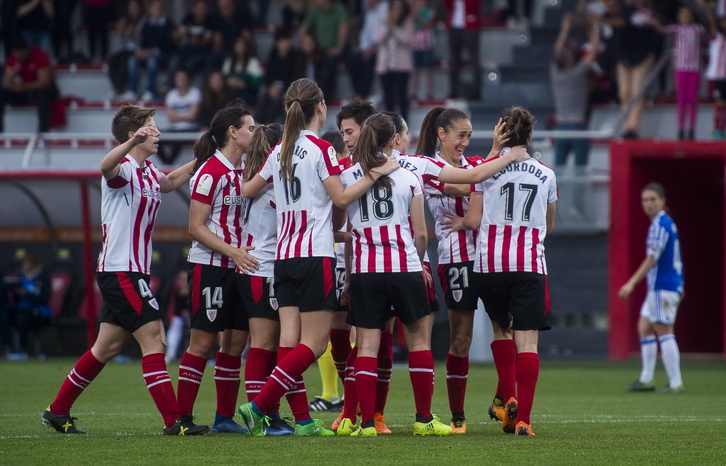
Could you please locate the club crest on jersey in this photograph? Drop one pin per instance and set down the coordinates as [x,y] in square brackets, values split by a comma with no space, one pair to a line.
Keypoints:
[332,157]
[211,314]
[274,304]
[153,303]
[457,295]
[204,186]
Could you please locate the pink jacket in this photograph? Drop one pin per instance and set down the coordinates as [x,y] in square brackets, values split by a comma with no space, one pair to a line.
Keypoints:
[394,51]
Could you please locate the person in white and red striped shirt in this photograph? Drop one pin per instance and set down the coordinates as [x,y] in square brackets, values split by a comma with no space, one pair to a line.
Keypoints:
[517,213]
[131,190]
[256,288]
[214,225]
[688,36]
[306,177]
[389,239]
[716,71]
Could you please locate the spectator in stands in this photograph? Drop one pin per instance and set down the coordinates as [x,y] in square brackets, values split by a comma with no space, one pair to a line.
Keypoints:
[29,309]
[8,26]
[215,95]
[129,29]
[328,21]
[716,72]
[62,30]
[293,12]
[98,14]
[362,62]
[232,20]
[197,39]
[35,22]
[312,63]
[280,72]
[243,70]
[156,50]
[517,15]
[463,22]
[28,79]
[636,56]
[424,21]
[569,85]
[182,107]
[394,62]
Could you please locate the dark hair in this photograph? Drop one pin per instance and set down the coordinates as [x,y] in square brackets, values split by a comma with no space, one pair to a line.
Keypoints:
[264,138]
[518,122]
[334,138]
[376,132]
[301,100]
[439,117]
[128,119]
[397,120]
[282,33]
[656,188]
[217,136]
[357,108]
[404,14]
[19,43]
[33,257]
[249,52]
[212,98]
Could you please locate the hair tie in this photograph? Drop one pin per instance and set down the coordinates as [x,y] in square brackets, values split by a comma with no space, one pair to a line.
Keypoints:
[215,140]
[296,100]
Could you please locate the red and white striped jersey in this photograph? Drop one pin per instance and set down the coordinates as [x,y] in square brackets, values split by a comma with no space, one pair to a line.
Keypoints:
[129,204]
[426,170]
[460,246]
[304,208]
[514,218]
[716,69]
[217,183]
[259,229]
[687,46]
[340,247]
[381,224]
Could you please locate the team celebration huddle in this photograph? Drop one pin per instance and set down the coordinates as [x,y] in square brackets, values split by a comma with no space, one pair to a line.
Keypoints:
[300,241]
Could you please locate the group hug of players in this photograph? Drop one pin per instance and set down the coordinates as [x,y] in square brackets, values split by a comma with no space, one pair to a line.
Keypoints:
[267,206]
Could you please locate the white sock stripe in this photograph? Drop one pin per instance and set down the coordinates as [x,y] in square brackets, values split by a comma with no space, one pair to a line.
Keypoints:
[368,373]
[278,381]
[384,370]
[253,391]
[187,368]
[350,377]
[260,382]
[285,374]
[198,382]
[82,387]
[225,378]
[149,385]
[73,371]
[227,369]
[349,368]
[384,380]
[420,369]
[295,391]
[454,376]
[149,374]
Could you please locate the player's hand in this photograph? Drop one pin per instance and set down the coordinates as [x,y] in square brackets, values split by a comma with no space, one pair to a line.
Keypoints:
[452,223]
[500,136]
[345,295]
[518,154]
[389,167]
[143,133]
[625,291]
[428,279]
[244,261]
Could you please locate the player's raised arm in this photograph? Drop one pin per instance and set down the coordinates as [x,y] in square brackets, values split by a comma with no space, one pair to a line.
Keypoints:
[111,162]
[176,178]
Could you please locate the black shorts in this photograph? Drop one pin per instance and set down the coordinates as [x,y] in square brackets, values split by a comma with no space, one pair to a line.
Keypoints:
[373,294]
[307,283]
[214,301]
[516,296]
[460,291]
[719,89]
[258,296]
[431,290]
[127,300]
[339,284]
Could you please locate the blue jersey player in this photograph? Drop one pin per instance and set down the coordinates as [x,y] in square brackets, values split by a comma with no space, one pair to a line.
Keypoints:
[664,270]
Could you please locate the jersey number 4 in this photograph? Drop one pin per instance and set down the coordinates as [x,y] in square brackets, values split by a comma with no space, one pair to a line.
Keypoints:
[508,192]
[382,204]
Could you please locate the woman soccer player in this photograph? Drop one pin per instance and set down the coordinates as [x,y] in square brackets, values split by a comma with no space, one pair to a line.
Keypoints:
[256,288]
[509,267]
[306,178]
[131,190]
[664,269]
[389,239]
[214,224]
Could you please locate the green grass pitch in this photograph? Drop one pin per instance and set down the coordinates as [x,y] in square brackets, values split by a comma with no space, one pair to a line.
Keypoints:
[581,416]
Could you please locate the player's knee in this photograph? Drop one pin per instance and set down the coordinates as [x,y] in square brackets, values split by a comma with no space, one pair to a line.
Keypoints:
[460,345]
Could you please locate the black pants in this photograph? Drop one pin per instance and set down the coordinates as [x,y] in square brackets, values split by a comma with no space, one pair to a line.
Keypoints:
[395,91]
[97,20]
[43,98]
[460,39]
[361,73]
[118,70]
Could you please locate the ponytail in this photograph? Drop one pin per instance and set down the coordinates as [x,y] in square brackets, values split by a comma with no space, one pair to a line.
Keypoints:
[518,122]
[427,136]
[301,100]
[264,138]
[376,133]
